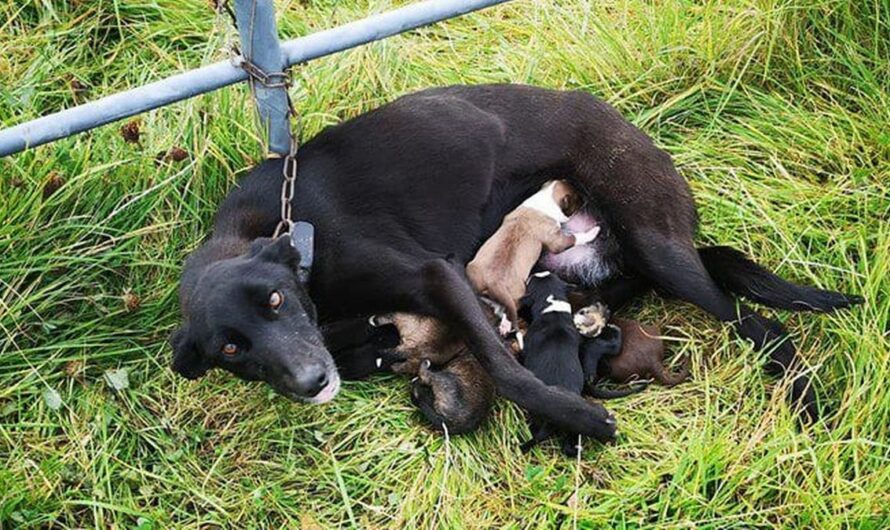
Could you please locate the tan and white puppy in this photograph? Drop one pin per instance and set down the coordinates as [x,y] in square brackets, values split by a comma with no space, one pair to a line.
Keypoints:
[503,263]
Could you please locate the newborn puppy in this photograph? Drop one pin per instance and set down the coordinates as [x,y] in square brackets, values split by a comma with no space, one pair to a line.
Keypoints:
[551,347]
[591,320]
[641,356]
[360,349]
[420,338]
[593,350]
[504,261]
[457,397]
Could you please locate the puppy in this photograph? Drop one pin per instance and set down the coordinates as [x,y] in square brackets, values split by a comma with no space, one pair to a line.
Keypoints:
[360,349]
[641,356]
[592,319]
[505,260]
[420,338]
[593,352]
[551,347]
[457,397]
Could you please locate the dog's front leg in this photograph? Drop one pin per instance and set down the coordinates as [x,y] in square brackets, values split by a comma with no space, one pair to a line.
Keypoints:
[441,289]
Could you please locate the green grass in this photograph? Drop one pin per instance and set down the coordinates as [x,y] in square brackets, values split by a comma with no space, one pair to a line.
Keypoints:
[776,111]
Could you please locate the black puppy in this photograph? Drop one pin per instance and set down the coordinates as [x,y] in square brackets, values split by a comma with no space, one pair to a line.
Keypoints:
[593,349]
[360,348]
[551,348]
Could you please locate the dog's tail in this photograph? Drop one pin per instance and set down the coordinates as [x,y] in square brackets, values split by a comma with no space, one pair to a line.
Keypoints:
[605,393]
[734,272]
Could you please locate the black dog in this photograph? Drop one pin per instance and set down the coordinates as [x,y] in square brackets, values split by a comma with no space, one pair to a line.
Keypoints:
[394,191]
[551,348]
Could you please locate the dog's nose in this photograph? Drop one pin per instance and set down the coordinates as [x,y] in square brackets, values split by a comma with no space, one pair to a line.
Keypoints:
[309,379]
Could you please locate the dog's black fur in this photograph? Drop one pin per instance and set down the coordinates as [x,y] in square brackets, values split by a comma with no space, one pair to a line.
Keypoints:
[551,350]
[395,190]
[360,349]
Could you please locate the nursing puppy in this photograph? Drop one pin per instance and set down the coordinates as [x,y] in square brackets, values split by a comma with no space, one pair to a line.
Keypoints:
[551,348]
[457,397]
[597,350]
[505,260]
[420,338]
[360,349]
[641,356]
[459,394]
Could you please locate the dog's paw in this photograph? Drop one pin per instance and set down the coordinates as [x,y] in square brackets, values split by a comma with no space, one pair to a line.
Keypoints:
[591,320]
[595,421]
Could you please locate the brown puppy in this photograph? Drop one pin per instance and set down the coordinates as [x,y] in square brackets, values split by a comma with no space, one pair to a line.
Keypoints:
[457,397]
[460,394]
[505,260]
[641,356]
[421,337]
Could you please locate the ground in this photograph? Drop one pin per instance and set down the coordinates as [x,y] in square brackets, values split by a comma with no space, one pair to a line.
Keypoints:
[776,111]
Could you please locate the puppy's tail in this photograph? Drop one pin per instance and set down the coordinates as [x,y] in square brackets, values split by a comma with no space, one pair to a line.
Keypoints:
[604,393]
[667,379]
[734,272]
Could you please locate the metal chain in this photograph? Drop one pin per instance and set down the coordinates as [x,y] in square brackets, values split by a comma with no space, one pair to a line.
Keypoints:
[271,80]
[289,167]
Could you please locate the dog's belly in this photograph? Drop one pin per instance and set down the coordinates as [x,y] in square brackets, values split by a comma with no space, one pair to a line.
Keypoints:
[588,264]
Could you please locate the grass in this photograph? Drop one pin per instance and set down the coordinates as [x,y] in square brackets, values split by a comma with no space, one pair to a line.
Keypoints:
[776,111]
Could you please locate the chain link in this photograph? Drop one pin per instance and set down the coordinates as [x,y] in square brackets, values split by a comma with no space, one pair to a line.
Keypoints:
[271,80]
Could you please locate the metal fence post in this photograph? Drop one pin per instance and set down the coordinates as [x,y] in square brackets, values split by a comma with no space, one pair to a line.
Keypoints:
[260,46]
[188,84]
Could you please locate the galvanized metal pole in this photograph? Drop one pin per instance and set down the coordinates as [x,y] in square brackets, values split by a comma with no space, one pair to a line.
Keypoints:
[195,82]
[260,46]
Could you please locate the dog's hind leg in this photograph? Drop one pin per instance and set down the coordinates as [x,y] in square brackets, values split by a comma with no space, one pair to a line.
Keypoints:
[675,266]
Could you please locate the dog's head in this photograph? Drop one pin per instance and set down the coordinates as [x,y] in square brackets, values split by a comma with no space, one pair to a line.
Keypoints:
[251,315]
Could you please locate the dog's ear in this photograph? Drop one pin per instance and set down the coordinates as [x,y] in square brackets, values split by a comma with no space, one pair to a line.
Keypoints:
[280,251]
[258,245]
[187,360]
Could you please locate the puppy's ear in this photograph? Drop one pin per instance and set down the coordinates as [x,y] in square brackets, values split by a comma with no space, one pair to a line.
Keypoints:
[187,360]
[570,203]
[525,303]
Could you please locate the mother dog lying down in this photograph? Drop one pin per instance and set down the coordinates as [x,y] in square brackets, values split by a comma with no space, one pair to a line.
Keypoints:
[404,195]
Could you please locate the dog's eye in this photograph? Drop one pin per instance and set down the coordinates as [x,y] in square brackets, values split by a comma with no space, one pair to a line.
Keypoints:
[276,299]
[230,349]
